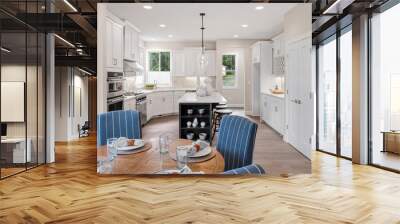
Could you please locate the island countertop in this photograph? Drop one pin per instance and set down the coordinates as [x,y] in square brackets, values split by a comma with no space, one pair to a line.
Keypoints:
[191,97]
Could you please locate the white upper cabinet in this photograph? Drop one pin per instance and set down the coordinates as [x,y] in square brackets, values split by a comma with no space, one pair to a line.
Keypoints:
[256,53]
[113,44]
[279,46]
[192,61]
[131,41]
[178,63]
[210,69]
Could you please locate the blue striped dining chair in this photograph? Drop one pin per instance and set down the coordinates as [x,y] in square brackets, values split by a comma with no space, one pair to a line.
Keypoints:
[250,169]
[115,124]
[236,141]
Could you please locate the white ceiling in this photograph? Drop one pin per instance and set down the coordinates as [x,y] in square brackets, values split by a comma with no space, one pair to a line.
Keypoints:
[222,20]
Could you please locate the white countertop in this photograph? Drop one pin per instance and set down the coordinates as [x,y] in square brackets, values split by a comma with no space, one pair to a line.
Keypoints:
[282,96]
[193,98]
[146,91]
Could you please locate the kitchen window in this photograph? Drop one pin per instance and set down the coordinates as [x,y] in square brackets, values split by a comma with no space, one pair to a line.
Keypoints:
[229,71]
[158,71]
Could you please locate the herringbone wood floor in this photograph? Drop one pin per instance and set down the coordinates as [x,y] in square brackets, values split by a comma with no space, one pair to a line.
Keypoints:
[70,191]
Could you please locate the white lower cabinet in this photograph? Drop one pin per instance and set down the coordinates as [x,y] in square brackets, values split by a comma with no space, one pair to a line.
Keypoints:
[177,96]
[160,103]
[272,112]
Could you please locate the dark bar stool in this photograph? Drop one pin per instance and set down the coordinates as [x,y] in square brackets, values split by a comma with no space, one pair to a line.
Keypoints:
[218,114]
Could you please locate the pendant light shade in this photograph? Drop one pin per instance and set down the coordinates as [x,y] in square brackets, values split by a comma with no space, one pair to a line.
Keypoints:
[203,58]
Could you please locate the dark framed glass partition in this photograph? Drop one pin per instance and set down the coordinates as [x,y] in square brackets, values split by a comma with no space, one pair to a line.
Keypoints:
[23,88]
[334,94]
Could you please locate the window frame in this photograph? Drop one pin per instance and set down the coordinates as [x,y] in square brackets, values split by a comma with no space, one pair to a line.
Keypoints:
[235,86]
[169,73]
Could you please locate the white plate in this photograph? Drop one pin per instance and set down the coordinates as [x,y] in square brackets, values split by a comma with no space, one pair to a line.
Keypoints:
[201,153]
[138,144]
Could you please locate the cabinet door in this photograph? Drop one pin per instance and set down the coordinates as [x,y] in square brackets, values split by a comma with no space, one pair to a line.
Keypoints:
[117,44]
[177,96]
[149,105]
[141,56]
[211,70]
[128,43]
[192,65]
[135,45]
[255,52]
[108,44]
[178,63]
[167,103]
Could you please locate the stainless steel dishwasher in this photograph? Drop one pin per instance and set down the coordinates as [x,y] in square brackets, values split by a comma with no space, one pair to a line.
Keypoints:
[141,106]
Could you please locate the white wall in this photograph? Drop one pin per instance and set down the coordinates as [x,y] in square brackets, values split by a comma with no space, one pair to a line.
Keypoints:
[240,96]
[68,82]
[297,23]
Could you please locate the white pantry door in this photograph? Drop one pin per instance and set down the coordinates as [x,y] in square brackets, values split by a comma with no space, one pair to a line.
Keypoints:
[300,97]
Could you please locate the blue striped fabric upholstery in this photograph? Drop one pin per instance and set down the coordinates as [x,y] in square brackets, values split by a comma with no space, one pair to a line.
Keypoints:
[115,124]
[250,169]
[236,141]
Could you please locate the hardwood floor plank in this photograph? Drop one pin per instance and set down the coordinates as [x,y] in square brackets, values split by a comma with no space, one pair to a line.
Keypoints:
[70,191]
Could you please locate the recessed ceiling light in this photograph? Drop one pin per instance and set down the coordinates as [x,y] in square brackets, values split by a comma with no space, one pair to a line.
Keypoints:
[235,36]
[148,7]
[260,7]
[162,25]
[245,25]
[170,36]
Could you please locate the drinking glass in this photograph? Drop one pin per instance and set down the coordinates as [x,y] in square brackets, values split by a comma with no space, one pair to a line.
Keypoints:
[163,146]
[163,143]
[181,156]
[111,148]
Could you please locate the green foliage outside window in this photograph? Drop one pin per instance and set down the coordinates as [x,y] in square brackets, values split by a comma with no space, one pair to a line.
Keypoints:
[159,61]
[229,78]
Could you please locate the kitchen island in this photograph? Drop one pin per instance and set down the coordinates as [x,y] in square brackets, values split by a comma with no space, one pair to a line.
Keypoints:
[196,113]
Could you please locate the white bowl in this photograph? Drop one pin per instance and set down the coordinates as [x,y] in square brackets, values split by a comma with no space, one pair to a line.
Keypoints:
[201,111]
[203,136]
[189,136]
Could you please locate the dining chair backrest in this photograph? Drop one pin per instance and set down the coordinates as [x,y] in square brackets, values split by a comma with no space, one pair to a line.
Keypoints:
[115,124]
[250,169]
[236,141]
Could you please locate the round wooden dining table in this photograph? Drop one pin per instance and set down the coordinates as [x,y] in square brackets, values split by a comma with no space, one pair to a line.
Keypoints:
[152,162]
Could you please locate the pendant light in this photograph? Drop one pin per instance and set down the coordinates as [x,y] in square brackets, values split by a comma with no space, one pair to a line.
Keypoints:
[203,59]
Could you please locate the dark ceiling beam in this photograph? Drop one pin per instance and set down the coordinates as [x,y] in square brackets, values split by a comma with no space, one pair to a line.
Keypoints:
[82,61]
[84,24]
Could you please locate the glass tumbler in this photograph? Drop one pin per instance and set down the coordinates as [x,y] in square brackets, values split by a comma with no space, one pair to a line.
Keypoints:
[163,146]
[111,148]
[181,156]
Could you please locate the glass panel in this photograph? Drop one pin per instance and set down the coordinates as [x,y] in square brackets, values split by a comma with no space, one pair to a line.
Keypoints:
[327,96]
[165,61]
[346,94]
[41,98]
[154,61]
[13,85]
[229,70]
[385,92]
[31,98]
